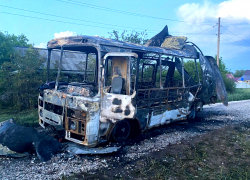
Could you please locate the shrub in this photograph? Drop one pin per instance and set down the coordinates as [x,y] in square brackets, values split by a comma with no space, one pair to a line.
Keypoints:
[19,80]
[229,84]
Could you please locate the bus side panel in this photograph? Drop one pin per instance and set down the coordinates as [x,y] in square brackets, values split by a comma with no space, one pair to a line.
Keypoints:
[117,107]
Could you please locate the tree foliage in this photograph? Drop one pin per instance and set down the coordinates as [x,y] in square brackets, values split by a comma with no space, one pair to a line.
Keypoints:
[7,44]
[19,77]
[239,73]
[133,37]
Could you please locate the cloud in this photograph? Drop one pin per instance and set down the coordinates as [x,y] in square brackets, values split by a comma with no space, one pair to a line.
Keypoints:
[200,28]
[231,9]
[195,12]
[65,34]
[41,45]
[237,9]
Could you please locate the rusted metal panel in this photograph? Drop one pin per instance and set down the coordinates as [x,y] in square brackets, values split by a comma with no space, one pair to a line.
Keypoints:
[174,42]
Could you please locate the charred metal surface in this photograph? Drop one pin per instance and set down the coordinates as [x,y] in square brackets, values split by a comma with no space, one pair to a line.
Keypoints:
[158,39]
[114,112]
[117,101]
[21,139]
[208,81]
[220,86]
[109,45]
[188,79]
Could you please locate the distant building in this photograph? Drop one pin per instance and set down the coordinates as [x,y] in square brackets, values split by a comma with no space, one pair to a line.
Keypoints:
[230,76]
[71,61]
[236,79]
[244,81]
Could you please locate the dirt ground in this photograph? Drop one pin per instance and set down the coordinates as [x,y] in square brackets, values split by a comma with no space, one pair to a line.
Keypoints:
[215,145]
[220,154]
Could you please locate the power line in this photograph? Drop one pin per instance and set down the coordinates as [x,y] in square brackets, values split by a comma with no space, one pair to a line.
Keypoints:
[236,35]
[121,12]
[203,31]
[70,18]
[62,21]
[74,19]
[225,39]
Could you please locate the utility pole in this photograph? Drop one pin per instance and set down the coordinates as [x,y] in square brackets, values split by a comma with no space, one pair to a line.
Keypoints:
[218,43]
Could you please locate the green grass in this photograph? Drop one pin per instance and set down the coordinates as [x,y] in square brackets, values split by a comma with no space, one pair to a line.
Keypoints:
[240,94]
[223,156]
[25,118]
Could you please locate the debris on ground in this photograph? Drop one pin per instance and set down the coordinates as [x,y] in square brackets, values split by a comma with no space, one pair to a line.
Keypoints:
[15,139]
[76,149]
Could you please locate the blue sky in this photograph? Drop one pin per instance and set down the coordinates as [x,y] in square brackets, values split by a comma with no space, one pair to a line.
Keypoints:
[195,19]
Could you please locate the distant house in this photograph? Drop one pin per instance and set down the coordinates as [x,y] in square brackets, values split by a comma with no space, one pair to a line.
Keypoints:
[246,76]
[236,79]
[244,81]
[230,76]
[71,61]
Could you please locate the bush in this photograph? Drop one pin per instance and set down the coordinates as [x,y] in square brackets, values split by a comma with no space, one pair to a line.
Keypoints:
[19,80]
[229,84]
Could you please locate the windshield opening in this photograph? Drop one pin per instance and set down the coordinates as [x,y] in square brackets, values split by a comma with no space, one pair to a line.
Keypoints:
[73,67]
[76,66]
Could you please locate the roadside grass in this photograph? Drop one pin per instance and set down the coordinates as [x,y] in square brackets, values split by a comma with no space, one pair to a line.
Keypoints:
[25,117]
[240,94]
[225,154]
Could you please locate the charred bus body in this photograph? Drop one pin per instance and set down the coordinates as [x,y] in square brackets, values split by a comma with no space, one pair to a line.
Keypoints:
[118,88]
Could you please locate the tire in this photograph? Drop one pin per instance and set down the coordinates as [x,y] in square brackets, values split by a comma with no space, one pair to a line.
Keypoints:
[121,131]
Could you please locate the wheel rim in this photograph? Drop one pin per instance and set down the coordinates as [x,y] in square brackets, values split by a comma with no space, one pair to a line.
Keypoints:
[121,131]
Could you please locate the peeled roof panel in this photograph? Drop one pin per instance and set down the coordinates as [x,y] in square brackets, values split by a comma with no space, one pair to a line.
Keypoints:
[109,45]
[174,42]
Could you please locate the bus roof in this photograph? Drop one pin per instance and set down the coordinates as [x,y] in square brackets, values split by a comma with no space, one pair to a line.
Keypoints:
[110,45]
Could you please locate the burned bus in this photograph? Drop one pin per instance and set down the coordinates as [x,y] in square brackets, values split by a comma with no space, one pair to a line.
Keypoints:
[106,89]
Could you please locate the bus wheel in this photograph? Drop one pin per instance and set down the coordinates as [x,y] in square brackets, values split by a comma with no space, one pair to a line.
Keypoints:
[121,130]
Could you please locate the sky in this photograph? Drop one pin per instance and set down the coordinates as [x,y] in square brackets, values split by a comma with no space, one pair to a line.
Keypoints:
[44,20]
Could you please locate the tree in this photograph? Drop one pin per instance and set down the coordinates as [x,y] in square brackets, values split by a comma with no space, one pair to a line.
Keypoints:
[239,73]
[133,37]
[7,44]
[19,78]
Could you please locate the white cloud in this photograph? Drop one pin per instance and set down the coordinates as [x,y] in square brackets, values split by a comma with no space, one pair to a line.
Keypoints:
[194,12]
[235,20]
[231,9]
[41,45]
[65,34]
[237,9]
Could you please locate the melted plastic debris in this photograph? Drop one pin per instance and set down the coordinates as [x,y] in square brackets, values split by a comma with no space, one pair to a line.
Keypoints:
[74,149]
[5,151]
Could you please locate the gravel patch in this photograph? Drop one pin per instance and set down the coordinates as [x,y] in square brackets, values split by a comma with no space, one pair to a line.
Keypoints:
[212,117]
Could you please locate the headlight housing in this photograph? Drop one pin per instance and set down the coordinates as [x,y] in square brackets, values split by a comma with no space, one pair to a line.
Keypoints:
[73,125]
